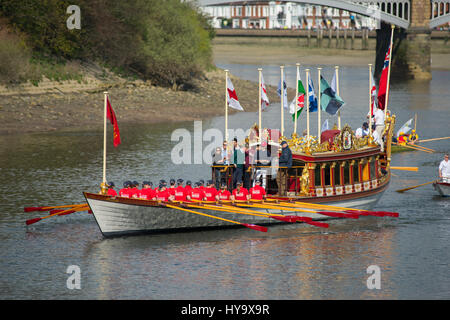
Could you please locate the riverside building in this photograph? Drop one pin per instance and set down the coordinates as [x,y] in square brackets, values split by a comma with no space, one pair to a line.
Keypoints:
[284,15]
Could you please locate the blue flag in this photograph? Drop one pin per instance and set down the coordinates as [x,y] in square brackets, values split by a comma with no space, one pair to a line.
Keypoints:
[312,97]
[285,102]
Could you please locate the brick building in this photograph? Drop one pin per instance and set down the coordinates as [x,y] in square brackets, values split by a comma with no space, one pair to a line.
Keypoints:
[284,15]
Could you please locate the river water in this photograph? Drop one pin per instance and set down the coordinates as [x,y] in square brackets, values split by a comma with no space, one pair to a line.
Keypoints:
[288,262]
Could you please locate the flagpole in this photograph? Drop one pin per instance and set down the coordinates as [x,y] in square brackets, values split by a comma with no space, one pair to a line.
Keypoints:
[336,68]
[318,106]
[104,136]
[415,122]
[226,106]
[296,97]
[370,99]
[307,106]
[282,100]
[389,70]
[259,107]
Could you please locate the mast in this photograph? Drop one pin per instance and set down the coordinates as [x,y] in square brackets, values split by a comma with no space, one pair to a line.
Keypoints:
[226,106]
[282,100]
[389,69]
[259,107]
[336,68]
[307,105]
[318,107]
[296,97]
[104,136]
[370,100]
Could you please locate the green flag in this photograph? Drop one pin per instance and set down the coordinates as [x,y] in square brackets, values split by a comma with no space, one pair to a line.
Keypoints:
[330,101]
[300,100]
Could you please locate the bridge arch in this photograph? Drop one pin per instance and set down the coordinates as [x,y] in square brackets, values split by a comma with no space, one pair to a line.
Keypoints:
[396,12]
[440,13]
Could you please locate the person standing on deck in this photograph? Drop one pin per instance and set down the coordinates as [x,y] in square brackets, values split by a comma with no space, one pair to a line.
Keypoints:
[247,173]
[378,117]
[238,163]
[444,169]
[285,162]
[375,135]
[262,161]
[218,162]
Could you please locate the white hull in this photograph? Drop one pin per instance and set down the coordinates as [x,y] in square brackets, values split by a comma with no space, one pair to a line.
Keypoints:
[442,188]
[121,218]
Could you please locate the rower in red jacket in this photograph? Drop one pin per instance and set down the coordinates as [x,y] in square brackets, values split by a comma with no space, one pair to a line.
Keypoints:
[188,187]
[197,193]
[210,192]
[172,187]
[125,191]
[111,191]
[258,192]
[180,192]
[201,184]
[134,190]
[224,194]
[163,194]
[147,193]
[240,193]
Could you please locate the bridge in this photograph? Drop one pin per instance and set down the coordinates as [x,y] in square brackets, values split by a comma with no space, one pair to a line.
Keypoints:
[414,20]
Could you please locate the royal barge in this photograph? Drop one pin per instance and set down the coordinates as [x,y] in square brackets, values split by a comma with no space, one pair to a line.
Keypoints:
[342,171]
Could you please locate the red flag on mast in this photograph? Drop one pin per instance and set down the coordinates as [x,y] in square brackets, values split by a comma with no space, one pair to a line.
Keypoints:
[112,117]
[382,87]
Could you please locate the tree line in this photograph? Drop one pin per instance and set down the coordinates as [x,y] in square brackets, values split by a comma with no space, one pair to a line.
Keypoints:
[168,42]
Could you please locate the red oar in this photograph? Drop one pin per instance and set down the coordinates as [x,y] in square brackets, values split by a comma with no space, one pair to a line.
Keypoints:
[373,213]
[47,208]
[350,215]
[291,219]
[310,221]
[31,221]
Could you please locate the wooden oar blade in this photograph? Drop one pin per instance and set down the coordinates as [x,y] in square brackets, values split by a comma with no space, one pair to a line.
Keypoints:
[64,212]
[255,227]
[31,209]
[373,213]
[31,221]
[318,224]
[55,211]
[310,221]
[285,219]
[339,214]
[389,214]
